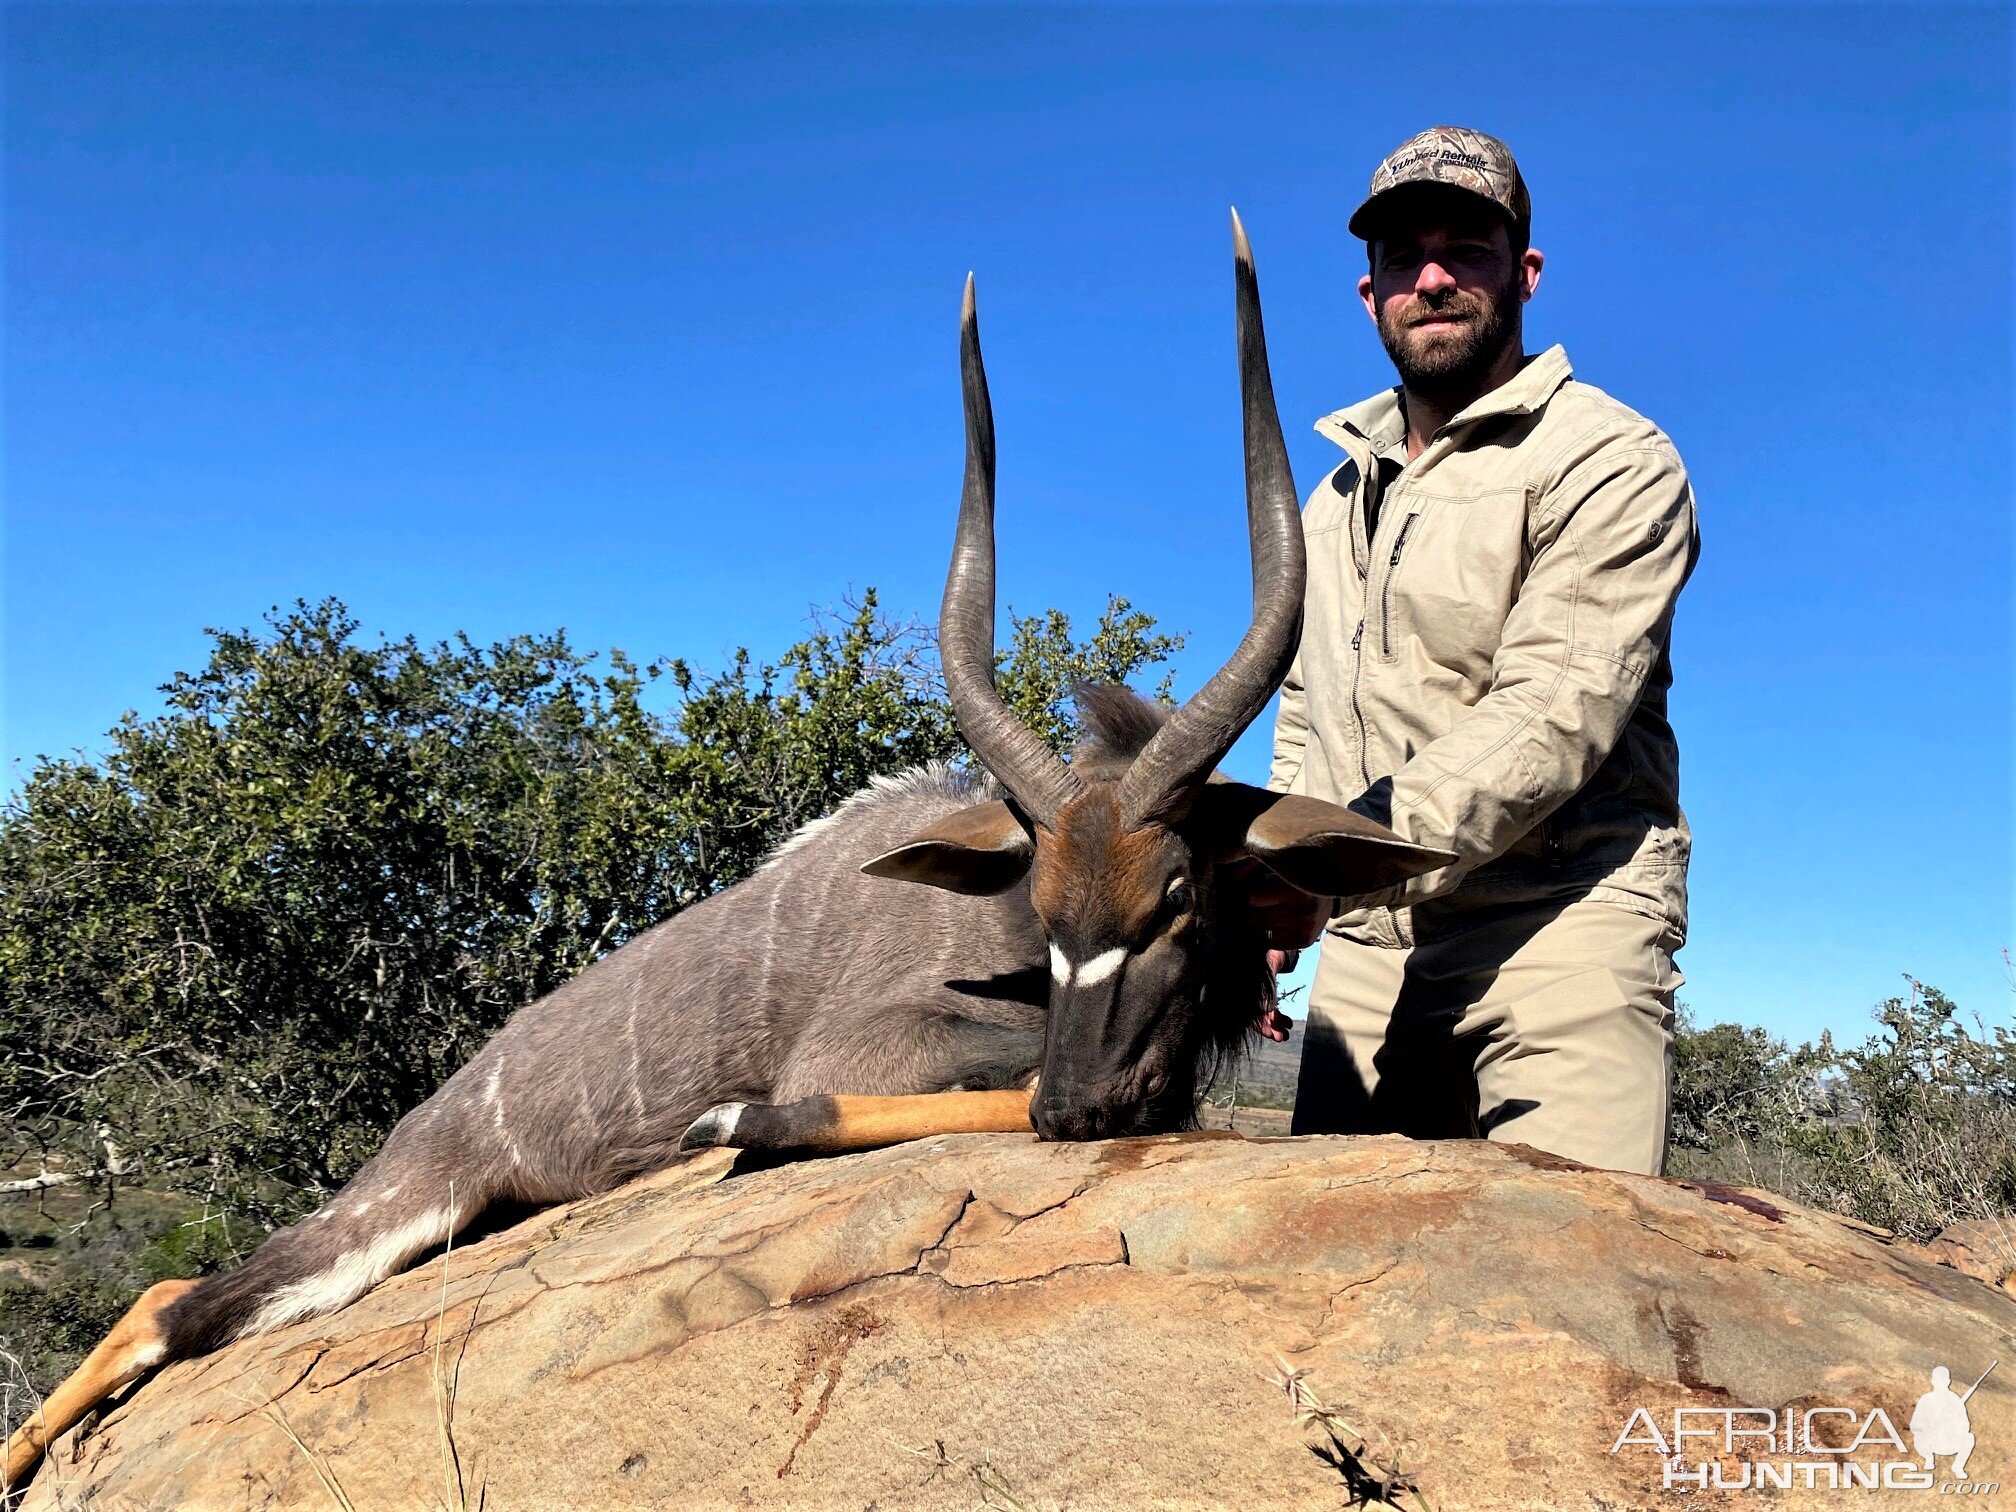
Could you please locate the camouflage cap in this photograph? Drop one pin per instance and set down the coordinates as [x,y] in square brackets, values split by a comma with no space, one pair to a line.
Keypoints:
[1452,155]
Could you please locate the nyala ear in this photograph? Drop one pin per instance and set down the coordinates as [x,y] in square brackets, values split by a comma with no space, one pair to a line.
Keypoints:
[1333,852]
[979,850]
[1323,848]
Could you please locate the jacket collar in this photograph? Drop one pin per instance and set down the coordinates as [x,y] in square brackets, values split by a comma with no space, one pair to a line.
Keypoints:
[1379,422]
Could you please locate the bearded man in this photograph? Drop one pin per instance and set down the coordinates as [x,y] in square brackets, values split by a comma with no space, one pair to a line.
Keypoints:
[1484,667]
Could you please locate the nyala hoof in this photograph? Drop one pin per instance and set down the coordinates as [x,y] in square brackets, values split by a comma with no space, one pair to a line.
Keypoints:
[812,1123]
[715,1128]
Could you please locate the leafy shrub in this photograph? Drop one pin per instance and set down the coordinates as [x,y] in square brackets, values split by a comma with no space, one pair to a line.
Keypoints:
[1913,1130]
[1926,1132]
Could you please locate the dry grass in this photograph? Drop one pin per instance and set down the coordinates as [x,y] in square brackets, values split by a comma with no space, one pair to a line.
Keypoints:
[17,1385]
[1373,1470]
[319,1463]
[996,1495]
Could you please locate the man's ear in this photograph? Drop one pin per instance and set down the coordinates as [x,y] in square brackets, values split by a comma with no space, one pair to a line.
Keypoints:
[979,850]
[1320,847]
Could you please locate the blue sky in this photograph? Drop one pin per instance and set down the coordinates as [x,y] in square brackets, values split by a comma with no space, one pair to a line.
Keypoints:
[641,321]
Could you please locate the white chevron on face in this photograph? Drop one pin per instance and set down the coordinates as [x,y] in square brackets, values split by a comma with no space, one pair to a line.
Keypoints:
[1101,966]
[1092,973]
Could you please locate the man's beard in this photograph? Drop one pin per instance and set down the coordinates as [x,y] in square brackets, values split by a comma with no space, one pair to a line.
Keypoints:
[1451,366]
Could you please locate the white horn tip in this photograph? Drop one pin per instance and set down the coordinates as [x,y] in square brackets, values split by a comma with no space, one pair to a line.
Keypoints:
[1241,248]
[966,304]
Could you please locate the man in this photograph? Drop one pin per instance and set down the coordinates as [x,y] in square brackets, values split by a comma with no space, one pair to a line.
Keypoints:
[1484,667]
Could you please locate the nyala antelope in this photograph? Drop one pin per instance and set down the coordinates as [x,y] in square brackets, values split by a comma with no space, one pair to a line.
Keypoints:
[1079,930]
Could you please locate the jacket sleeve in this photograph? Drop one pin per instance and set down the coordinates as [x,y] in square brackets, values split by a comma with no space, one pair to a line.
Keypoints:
[1613,540]
[1291,730]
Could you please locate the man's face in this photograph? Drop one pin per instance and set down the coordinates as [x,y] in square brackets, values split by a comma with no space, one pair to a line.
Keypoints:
[1445,290]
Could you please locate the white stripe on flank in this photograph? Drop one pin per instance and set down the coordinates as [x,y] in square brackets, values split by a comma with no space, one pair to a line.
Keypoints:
[1059,967]
[1101,966]
[636,1056]
[352,1275]
[492,1096]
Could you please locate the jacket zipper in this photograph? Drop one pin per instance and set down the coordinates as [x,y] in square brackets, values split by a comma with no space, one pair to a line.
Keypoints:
[1374,488]
[1358,661]
[1386,589]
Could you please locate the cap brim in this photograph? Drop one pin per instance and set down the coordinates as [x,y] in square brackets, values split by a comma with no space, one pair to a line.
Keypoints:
[1367,218]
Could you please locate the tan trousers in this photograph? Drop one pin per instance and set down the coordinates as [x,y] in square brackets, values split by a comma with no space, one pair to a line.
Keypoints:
[1549,1026]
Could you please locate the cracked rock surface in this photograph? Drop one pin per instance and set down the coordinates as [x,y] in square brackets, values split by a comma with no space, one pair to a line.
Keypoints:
[1072,1326]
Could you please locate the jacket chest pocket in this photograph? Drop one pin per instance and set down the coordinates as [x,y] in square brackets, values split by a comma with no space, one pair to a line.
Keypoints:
[1333,604]
[1447,577]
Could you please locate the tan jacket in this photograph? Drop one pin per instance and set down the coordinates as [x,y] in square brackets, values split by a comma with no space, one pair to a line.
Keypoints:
[1488,672]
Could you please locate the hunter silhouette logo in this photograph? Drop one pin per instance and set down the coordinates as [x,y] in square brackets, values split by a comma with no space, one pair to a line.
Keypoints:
[1939,1423]
[1768,1448]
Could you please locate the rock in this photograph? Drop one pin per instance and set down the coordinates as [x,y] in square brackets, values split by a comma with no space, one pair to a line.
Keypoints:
[990,1319]
[1984,1248]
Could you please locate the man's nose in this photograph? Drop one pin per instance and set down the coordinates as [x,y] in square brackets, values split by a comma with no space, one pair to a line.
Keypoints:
[1433,278]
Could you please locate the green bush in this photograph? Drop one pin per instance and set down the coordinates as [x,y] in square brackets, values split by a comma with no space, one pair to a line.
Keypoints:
[1735,1084]
[1913,1130]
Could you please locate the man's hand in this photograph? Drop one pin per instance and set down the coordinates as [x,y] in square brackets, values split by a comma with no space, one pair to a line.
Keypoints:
[1289,918]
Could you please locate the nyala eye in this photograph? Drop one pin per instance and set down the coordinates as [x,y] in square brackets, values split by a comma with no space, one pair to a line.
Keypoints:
[1177,900]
